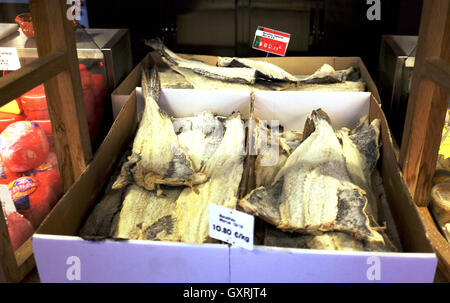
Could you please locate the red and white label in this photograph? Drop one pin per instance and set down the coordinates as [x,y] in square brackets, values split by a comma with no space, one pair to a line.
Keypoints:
[271,41]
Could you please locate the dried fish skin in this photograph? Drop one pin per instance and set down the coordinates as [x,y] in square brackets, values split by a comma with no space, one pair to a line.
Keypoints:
[147,216]
[292,139]
[199,136]
[271,157]
[313,191]
[264,69]
[366,138]
[202,82]
[100,220]
[361,151]
[327,241]
[236,75]
[161,159]
[171,79]
[224,169]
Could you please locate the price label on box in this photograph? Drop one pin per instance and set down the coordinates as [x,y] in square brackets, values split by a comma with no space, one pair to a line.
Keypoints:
[9,60]
[271,41]
[231,226]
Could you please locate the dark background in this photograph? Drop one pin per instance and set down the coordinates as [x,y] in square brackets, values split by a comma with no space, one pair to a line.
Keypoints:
[345,27]
[342,28]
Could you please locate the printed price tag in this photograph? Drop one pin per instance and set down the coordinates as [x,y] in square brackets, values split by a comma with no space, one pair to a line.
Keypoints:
[231,226]
[9,60]
[7,202]
[271,41]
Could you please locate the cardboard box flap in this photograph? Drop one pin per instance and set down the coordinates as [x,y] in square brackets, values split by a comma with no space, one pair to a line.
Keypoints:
[291,109]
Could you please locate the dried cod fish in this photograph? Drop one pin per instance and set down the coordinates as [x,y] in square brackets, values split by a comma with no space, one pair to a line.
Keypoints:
[250,75]
[361,152]
[313,192]
[199,136]
[157,156]
[264,70]
[235,75]
[101,219]
[272,151]
[99,222]
[327,74]
[147,216]
[327,241]
[224,169]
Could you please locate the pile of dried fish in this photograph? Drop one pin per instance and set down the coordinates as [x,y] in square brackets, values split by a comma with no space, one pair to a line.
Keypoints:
[319,187]
[250,75]
[177,167]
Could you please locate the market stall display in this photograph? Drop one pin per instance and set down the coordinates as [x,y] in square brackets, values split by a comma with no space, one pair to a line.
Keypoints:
[195,262]
[299,145]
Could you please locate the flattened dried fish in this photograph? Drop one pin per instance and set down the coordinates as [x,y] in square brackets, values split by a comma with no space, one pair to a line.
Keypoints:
[264,70]
[313,192]
[361,151]
[100,220]
[225,169]
[171,79]
[235,75]
[147,216]
[273,150]
[327,241]
[199,136]
[327,74]
[158,157]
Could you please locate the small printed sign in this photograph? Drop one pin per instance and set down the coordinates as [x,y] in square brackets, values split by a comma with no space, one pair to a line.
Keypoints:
[271,41]
[9,60]
[231,226]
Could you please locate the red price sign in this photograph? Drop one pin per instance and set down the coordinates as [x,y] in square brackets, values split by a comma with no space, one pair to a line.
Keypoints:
[271,41]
